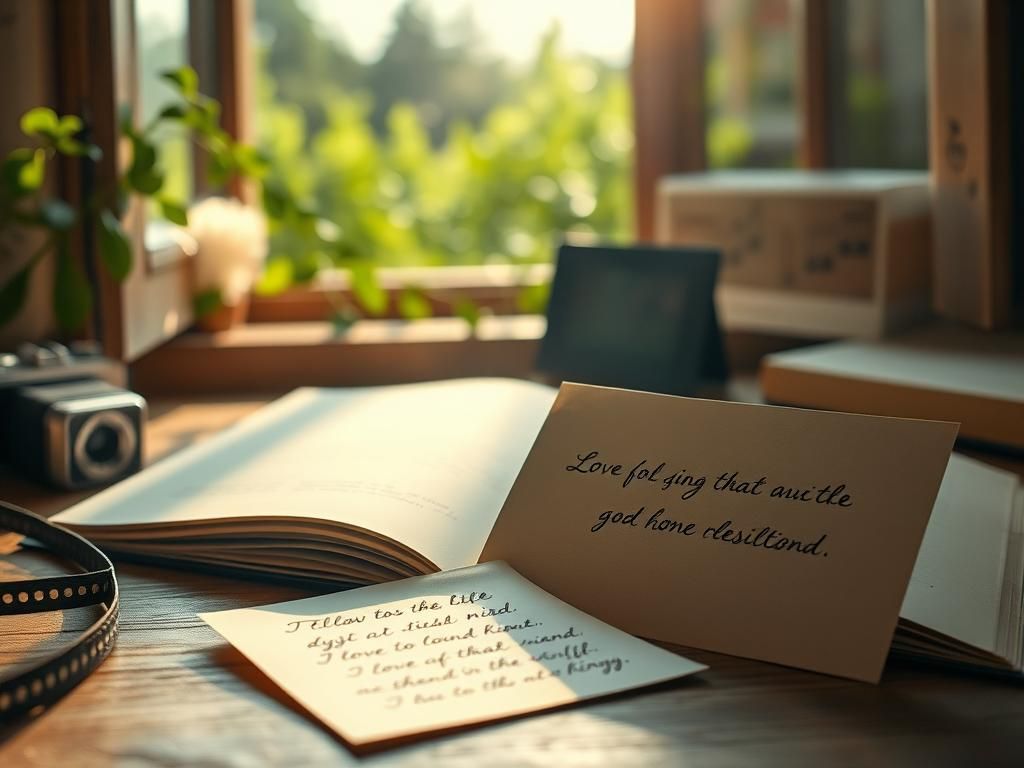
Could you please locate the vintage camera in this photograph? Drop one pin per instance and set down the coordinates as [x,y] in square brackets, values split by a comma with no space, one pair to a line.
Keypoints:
[65,417]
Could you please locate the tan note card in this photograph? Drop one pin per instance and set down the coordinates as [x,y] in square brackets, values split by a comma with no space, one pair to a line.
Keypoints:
[773,533]
[437,652]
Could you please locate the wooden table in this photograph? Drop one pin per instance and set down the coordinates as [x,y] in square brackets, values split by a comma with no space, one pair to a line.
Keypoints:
[173,693]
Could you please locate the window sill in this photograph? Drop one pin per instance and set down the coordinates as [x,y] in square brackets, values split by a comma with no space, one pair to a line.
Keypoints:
[275,357]
[495,287]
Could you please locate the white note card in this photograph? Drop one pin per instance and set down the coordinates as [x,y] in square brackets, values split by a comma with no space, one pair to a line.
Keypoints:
[442,651]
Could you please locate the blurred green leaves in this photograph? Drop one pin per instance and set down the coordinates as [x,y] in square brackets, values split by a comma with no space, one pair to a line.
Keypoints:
[115,247]
[185,80]
[205,303]
[553,158]
[413,304]
[367,290]
[40,121]
[24,170]
[25,204]
[72,298]
[174,212]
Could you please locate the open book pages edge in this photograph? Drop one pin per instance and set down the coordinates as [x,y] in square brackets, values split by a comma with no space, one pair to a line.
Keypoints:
[300,532]
[423,466]
[926,642]
[966,583]
[1013,615]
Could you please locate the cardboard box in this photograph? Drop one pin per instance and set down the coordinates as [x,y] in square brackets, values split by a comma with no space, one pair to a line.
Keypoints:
[809,253]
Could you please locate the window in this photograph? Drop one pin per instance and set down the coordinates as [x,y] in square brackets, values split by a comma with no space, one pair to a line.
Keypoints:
[872,70]
[445,133]
[750,79]
[878,94]
[162,40]
[441,133]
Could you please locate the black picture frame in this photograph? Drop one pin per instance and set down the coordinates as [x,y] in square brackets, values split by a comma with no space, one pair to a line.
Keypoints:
[638,317]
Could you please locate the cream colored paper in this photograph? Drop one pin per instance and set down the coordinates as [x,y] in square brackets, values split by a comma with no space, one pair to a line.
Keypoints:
[957,585]
[438,652]
[427,465]
[802,557]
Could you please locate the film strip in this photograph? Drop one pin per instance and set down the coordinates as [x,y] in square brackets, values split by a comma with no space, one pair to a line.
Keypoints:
[57,674]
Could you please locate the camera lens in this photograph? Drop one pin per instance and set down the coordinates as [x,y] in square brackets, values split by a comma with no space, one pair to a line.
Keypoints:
[105,445]
[102,445]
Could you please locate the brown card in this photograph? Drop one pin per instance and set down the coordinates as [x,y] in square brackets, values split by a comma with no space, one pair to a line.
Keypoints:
[773,533]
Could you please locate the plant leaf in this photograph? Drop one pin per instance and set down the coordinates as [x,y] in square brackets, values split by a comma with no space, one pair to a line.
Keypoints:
[57,215]
[413,305]
[306,266]
[68,126]
[23,171]
[204,116]
[367,290]
[173,112]
[13,293]
[115,247]
[277,276]
[276,200]
[41,121]
[72,147]
[533,299]
[206,302]
[143,176]
[220,167]
[184,79]
[32,173]
[72,298]
[146,182]
[468,311]
[174,212]
[250,161]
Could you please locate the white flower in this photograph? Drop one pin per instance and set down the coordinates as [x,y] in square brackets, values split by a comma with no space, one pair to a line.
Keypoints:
[232,246]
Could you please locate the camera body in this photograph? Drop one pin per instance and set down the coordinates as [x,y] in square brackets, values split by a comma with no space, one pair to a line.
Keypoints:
[66,418]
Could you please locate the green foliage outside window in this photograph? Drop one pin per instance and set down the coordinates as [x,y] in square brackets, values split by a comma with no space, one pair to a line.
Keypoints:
[496,181]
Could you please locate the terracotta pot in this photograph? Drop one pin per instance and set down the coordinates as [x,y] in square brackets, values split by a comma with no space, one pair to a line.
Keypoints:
[224,317]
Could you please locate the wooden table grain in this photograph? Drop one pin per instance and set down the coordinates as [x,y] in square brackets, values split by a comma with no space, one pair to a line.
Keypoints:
[174,693]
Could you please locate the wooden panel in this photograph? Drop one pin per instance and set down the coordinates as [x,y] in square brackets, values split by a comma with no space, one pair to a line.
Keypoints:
[271,356]
[155,304]
[26,44]
[233,19]
[86,87]
[969,146]
[813,82]
[668,98]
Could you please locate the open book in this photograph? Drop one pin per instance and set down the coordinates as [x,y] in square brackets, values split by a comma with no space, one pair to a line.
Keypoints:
[964,602]
[361,486]
[352,486]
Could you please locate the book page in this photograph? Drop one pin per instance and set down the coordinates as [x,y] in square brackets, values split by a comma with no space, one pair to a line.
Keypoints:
[438,652]
[427,465]
[957,583]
